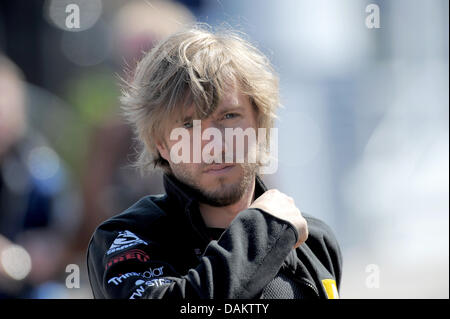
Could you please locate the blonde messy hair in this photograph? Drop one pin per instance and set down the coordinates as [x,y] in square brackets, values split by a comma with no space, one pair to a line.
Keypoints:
[194,67]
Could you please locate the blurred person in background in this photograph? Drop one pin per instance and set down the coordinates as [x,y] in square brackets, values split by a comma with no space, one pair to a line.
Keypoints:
[36,207]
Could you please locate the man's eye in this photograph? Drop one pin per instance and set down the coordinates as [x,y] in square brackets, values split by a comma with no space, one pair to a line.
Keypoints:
[230,116]
[188,125]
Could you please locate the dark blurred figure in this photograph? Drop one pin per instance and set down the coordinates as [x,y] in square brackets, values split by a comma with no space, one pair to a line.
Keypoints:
[110,183]
[37,207]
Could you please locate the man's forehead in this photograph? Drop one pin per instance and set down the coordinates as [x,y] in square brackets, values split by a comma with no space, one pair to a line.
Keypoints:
[232,98]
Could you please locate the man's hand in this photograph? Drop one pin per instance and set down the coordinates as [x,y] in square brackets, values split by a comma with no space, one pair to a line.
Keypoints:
[282,206]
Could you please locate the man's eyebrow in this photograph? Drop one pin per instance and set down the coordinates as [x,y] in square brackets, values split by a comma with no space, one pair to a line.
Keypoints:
[231,108]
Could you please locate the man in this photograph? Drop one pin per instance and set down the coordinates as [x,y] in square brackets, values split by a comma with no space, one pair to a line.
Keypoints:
[217,232]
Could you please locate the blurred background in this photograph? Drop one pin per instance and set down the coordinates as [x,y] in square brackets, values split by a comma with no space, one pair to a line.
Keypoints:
[363,134]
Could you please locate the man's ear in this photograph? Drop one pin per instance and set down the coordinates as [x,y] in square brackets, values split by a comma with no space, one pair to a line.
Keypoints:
[163,150]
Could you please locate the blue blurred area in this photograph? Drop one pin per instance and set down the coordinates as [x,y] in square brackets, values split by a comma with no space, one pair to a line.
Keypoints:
[363,132]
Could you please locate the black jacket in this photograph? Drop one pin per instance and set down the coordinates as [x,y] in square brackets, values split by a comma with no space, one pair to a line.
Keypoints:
[161,248]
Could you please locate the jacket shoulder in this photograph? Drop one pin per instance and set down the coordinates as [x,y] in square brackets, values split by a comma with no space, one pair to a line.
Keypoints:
[145,219]
[141,215]
[323,242]
[318,228]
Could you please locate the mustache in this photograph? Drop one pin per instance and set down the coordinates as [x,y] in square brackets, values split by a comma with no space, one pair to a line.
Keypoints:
[226,158]
[220,159]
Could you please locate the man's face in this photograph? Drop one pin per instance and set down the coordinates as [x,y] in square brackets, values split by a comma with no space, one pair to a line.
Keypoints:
[220,182]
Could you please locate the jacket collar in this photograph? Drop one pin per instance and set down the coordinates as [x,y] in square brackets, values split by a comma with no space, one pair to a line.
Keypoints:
[184,199]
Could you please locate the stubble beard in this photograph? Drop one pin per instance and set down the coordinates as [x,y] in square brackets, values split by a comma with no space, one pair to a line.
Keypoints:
[224,193]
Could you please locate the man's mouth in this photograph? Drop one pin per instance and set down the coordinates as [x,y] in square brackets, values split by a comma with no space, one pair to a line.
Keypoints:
[218,168]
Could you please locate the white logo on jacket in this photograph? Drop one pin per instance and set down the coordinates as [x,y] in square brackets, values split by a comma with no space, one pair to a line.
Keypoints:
[124,240]
[143,285]
[148,274]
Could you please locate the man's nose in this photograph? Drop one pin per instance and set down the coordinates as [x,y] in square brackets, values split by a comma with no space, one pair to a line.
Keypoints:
[213,138]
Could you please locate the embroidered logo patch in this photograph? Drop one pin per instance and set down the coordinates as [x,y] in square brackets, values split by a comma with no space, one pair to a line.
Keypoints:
[330,288]
[124,240]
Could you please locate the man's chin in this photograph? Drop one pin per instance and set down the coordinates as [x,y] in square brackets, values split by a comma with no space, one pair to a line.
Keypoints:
[220,198]
[224,191]
[219,192]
